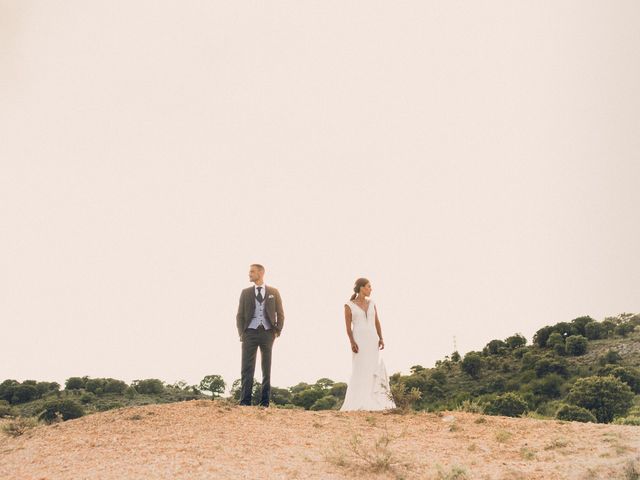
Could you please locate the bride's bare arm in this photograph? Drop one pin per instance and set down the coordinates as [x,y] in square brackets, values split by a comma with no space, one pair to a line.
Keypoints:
[347,321]
[379,329]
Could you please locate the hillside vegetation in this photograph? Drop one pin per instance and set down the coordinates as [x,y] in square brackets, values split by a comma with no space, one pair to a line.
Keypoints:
[583,370]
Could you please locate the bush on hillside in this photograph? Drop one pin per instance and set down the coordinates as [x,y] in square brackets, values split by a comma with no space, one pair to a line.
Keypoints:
[548,365]
[495,347]
[23,393]
[548,387]
[611,356]
[576,345]
[325,403]
[66,408]
[509,404]
[306,398]
[624,329]
[593,331]
[404,398]
[516,341]
[605,397]
[579,324]
[629,375]
[472,364]
[6,410]
[541,337]
[573,413]
[75,383]
[148,386]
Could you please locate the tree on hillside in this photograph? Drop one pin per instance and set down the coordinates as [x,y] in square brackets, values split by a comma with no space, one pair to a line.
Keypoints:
[472,364]
[75,383]
[605,397]
[495,347]
[214,384]
[556,341]
[516,341]
[593,331]
[624,329]
[579,324]
[576,345]
[148,386]
[542,335]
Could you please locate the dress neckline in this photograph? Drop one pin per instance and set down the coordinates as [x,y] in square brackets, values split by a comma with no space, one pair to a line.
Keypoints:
[366,312]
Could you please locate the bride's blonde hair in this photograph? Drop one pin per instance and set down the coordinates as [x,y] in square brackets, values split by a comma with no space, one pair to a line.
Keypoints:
[361,282]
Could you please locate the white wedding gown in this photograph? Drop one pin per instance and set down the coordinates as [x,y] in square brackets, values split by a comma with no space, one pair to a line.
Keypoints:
[368,387]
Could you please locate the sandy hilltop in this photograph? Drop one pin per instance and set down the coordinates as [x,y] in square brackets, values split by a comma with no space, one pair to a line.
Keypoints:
[204,439]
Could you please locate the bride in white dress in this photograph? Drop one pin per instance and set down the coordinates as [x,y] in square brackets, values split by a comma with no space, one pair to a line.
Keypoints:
[368,387]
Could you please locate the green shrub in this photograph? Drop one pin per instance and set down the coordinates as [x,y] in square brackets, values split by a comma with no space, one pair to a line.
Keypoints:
[148,386]
[113,385]
[472,364]
[24,393]
[404,398]
[19,426]
[75,383]
[516,341]
[108,405]
[67,408]
[325,403]
[624,329]
[306,398]
[130,392]
[630,420]
[580,323]
[576,345]
[605,397]
[548,386]
[95,385]
[629,375]
[214,384]
[338,390]
[495,347]
[87,397]
[593,331]
[509,404]
[575,414]
[6,410]
[541,337]
[606,328]
[45,388]
[546,366]
[280,396]
[610,357]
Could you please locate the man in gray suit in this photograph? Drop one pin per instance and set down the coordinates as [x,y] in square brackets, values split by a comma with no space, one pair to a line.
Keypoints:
[260,320]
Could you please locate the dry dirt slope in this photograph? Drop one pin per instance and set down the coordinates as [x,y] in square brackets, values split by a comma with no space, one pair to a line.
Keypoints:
[207,440]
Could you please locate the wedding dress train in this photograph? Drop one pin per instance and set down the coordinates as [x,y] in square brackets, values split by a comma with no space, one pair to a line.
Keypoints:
[368,387]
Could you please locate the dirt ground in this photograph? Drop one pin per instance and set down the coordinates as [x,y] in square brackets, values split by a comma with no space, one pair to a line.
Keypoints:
[203,439]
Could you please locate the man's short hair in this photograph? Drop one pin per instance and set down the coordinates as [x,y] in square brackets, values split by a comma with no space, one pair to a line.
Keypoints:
[258,266]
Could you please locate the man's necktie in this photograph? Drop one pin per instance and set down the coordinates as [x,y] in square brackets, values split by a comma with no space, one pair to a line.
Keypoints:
[260,297]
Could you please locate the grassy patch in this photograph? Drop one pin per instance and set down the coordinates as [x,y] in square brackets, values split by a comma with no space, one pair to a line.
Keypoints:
[19,426]
[502,436]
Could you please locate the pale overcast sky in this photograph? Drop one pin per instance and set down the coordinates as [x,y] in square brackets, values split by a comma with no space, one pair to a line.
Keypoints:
[479,162]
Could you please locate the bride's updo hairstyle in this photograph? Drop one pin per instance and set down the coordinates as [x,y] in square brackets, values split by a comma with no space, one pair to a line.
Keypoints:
[361,282]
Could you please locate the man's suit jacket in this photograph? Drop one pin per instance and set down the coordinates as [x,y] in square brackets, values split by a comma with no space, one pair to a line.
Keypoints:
[273,309]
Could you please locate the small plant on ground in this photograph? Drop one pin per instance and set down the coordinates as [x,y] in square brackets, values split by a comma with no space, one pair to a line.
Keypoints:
[19,426]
